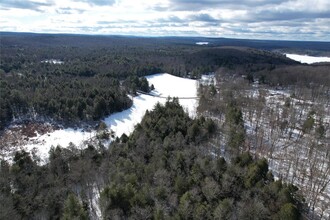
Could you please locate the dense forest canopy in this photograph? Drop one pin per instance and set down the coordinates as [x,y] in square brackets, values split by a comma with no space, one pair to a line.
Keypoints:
[163,170]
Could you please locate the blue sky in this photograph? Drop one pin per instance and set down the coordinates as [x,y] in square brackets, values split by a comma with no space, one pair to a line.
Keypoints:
[254,19]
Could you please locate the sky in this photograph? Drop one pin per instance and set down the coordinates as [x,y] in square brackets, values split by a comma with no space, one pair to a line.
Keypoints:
[251,19]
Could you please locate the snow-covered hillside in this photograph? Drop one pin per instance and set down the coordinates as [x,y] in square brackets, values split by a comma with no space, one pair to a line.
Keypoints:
[307,59]
[166,85]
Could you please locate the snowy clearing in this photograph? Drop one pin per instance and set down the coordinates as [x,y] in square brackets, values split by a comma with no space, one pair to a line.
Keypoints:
[63,137]
[307,59]
[166,85]
[42,143]
[202,43]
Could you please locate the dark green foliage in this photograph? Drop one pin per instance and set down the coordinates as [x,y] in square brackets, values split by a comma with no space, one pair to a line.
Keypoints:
[224,210]
[134,84]
[163,170]
[118,197]
[64,98]
[249,77]
[213,90]
[73,209]
[41,192]
[309,123]
[124,138]
[257,172]
[103,132]
[183,181]
[288,212]
[244,160]
[320,130]
[24,171]
[7,208]
[235,127]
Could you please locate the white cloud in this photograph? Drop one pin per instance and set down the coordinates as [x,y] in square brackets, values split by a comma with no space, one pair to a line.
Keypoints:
[271,19]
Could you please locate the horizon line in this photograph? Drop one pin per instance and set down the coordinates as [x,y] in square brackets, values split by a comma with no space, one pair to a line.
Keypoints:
[161,36]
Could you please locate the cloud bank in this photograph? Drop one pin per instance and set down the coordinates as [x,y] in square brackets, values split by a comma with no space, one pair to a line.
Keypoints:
[258,19]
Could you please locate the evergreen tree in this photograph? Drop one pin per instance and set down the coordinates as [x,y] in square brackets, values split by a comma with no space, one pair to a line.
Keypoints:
[73,209]
[235,128]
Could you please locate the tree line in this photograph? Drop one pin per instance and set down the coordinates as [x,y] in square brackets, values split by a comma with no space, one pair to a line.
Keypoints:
[62,98]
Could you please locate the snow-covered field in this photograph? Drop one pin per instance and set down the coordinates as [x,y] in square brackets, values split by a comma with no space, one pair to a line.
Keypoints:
[63,137]
[307,59]
[166,85]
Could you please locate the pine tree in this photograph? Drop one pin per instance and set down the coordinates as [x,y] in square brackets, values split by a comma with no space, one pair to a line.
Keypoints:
[73,210]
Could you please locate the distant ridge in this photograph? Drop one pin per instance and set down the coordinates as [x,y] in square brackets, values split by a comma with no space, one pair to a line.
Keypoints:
[44,39]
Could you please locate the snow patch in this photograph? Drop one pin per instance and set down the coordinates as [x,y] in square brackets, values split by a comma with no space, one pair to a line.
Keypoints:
[202,43]
[41,144]
[307,59]
[208,79]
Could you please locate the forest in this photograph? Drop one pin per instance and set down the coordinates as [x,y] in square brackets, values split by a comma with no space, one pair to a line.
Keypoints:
[257,150]
[288,125]
[94,74]
[162,171]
